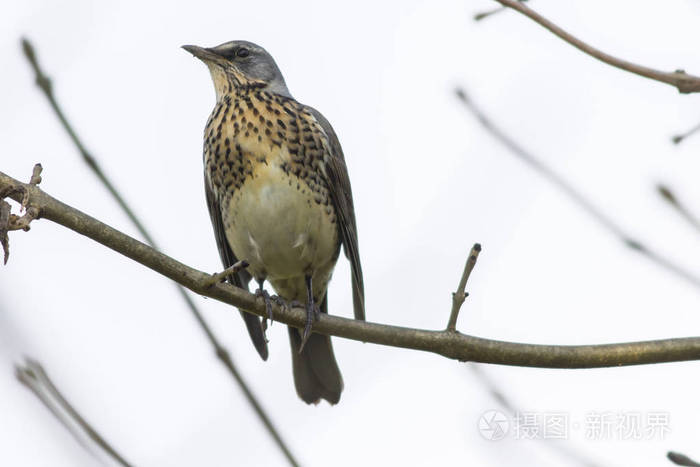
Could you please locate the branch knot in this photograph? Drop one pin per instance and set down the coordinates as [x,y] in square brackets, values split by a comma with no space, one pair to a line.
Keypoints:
[9,221]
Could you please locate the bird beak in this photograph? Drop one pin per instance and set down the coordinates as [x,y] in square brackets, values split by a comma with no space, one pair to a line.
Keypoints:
[205,55]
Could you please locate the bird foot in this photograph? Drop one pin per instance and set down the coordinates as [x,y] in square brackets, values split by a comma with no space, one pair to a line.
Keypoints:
[280,302]
[313,313]
[268,303]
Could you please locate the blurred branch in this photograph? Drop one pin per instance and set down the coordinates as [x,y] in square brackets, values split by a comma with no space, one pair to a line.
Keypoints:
[44,83]
[508,406]
[681,208]
[485,14]
[679,138]
[573,193]
[681,459]
[33,376]
[459,296]
[488,13]
[684,82]
[450,344]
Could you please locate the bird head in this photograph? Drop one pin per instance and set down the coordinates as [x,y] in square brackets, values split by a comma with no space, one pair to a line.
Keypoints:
[240,65]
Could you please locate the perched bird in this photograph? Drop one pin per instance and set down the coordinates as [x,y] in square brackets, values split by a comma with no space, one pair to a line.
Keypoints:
[279,198]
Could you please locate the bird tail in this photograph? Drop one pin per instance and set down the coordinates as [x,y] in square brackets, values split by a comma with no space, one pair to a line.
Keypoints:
[252,322]
[256,333]
[316,373]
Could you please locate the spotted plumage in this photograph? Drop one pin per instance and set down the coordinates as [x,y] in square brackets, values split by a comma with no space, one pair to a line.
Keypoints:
[279,197]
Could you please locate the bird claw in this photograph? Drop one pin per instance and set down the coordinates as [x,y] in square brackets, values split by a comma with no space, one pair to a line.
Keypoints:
[268,302]
[280,302]
[313,313]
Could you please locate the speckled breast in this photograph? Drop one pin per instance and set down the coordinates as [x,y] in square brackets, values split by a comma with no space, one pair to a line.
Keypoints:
[264,156]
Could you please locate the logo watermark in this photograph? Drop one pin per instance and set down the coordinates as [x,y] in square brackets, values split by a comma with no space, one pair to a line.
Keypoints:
[495,425]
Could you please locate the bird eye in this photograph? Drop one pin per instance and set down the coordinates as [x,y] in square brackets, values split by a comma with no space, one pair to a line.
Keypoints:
[243,52]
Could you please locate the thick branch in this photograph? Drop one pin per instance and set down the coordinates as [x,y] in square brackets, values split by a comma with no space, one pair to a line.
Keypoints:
[449,344]
[680,79]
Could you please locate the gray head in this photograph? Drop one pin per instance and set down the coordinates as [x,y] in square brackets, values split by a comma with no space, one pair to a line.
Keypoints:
[240,64]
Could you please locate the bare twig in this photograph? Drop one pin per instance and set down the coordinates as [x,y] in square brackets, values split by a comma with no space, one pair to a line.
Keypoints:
[682,209]
[488,13]
[452,345]
[459,296]
[485,14]
[22,222]
[33,376]
[4,228]
[679,138]
[681,459]
[684,82]
[9,221]
[44,83]
[580,199]
[36,178]
[223,275]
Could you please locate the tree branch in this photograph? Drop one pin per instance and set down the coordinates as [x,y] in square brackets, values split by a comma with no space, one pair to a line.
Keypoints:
[33,376]
[577,196]
[668,196]
[684,82]
[681,459]
[45,85]
[450,344]
[482,15]
[679,138]
[459,296]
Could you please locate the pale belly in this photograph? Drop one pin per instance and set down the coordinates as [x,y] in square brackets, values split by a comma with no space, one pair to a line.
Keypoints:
[276,225]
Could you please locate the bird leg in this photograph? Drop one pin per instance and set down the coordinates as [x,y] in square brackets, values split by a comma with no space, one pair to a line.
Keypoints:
[312,312]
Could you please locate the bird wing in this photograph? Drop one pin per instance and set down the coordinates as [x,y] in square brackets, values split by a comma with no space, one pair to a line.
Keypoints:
[341,196]
[241,278]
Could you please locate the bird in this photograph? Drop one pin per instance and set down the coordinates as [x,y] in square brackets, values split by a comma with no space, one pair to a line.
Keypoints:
[280,199]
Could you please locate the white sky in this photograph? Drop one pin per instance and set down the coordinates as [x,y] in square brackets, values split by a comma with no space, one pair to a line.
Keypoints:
[428,183]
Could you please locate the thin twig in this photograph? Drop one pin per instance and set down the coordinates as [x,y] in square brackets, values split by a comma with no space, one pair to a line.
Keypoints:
[459,296]
[453,345]
[681,459]
[508,406]
[488,13]
[5,210]
[35,178]
[578,197]
[684,82]
[44,83]
[485,14]
[233,269]
[33,376]
[679,138]
[681,208]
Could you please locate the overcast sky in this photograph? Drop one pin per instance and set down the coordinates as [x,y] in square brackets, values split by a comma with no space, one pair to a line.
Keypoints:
[428,183]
